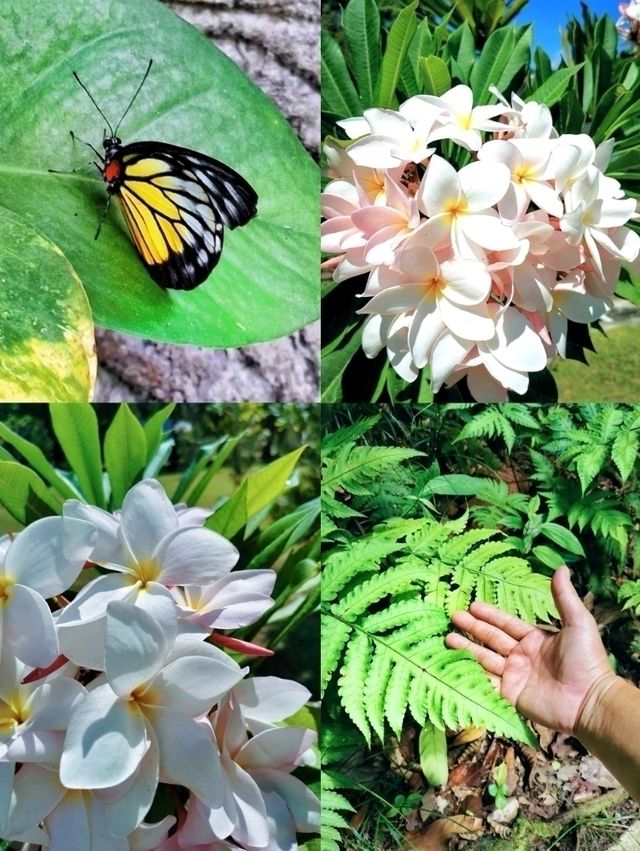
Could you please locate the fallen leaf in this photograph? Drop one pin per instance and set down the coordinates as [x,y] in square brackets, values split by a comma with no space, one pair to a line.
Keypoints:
[593,771]
[470,734]
[437,835]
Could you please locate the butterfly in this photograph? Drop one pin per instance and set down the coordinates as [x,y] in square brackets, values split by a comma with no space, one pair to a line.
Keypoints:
[176,202]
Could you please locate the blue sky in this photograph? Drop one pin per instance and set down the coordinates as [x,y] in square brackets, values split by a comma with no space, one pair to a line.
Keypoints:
[548,16]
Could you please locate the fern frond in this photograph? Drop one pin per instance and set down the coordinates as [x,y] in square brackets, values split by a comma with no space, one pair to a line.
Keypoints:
[629,592]
[343,564]
[332,441]
[353,679]
[334,804]
[354,468]
[333,637]
[490,421]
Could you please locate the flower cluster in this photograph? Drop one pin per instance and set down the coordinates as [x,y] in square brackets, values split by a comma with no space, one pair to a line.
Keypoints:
[628,24]
[474,272]
[122,689]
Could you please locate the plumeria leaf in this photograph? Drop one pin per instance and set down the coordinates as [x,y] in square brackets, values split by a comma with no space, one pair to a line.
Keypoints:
[45,321]
[125,453]
[24,494]
[398,41]
[76,427]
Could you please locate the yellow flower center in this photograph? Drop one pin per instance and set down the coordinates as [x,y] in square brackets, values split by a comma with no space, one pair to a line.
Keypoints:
[12,713]
[522,172]
[456,208]
[146,570]
[6,589]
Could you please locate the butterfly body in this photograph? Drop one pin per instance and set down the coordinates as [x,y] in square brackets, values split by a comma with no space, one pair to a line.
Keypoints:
[176,203]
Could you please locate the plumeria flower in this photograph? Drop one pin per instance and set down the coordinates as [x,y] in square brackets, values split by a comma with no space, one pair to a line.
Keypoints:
[459,207]
[386,227]
[525,120]
[147,702]
[40,562]
[390,139]
[147,551]
[460,120]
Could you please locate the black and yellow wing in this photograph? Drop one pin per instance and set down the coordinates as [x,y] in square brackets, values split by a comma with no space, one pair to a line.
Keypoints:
[176,204]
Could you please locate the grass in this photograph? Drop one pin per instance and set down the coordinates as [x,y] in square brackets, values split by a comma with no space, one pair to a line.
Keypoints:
[613,373]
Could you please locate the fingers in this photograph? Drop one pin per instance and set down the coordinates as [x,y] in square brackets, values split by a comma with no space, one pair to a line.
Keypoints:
[512,626]
[570,607]
[491,636]
[492,662]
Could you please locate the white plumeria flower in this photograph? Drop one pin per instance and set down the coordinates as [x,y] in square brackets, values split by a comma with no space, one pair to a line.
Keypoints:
[338,232]
[526,120]
[459,208]
[41,561]
[148,552]
[460,120]
[386,227]
[391,332]
[528,161]
[147,703]
[371,181]
[391,139]
[235,601]
[265,701]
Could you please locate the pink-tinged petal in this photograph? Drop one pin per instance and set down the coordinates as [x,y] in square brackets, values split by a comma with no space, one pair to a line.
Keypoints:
[395,300]
[108,546]
[514,203]
[203,824]
[51,704]
[372,219]
[544,197]
[488,232]
[472,322]
[581,307]
[426,327]
[268,700]
[251,828]
[135,647]
[240,646]
[447,353]
[188,754]
[68,824]
[280,747]
[380,248]
[622,243]
[614,213]
[236,600]
[194,556]
[126,812]
[466,281]
[509,378]
[531,293]
[28,628]
[440,187]
[484,184]
[147,837]
[106,741]
[418,264]
[303,805]
[39,746]
[435,232]
[484,388]
[147,517]
[36,791]
[193,684]
[49,554]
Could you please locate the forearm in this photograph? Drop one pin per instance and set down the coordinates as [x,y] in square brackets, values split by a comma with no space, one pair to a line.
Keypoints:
[609,727]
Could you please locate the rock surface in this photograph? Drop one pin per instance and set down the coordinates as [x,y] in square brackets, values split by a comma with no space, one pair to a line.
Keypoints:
[277,42]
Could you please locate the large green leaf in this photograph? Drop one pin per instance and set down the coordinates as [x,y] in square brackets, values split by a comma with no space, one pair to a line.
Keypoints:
[45,321]
[362,31]
[264,286]
[76,428]
[125,453]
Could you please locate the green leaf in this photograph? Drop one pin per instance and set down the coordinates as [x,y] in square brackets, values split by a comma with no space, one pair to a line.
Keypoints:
[24,495]
[333,366]
[45,321]
[339,95]
[76,427]
[554,86]
[361,22]
[548,556]
[38,462]
[125,453]
[562,537]
[435,75]
[398,41]
[206,104]
[432,747]
[503,56]
[154,429]
[254,494]
[625,451]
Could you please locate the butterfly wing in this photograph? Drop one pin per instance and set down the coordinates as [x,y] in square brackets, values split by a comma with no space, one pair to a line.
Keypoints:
[176,204]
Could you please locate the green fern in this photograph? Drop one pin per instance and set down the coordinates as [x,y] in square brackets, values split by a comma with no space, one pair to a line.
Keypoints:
[629,593]
[384,621]
[334,805]
[496,421]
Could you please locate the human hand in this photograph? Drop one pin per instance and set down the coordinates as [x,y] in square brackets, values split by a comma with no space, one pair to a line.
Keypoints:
[547,676]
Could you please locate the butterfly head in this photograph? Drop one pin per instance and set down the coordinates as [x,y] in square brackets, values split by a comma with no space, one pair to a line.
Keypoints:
[112,146]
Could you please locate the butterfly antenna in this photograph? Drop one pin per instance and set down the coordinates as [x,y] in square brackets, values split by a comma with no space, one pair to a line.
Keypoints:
[137,92]
[91,98]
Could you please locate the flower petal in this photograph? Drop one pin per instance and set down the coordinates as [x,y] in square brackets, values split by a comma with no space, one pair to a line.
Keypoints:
[269,699]
[51,704]
[484,184]
[193,684]
[68,824]
[147,837]
[105,743]
[440,187]
[135,647]
[194,556]
[49,554]
[28,628]
[147,517]
[108,546]
[126,812]
[36,791]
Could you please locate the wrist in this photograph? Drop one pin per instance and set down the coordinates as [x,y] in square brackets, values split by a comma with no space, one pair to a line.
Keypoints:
[592,713]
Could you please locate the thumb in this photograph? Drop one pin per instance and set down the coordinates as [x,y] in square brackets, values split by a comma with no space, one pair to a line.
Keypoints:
[570,607]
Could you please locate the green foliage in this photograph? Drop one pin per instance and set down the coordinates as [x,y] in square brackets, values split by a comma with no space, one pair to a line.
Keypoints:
[207,104]
[629,595]
[334,808]
[498,788]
